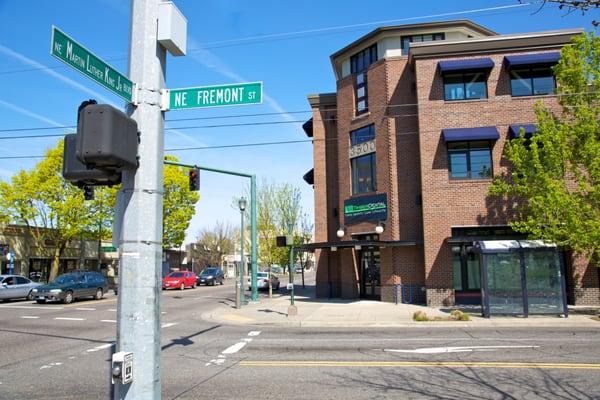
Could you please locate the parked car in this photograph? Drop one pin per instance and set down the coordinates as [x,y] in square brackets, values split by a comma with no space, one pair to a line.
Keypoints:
[71,286]
[211,276]
[298,269]
[179,280]
[262,281]
[16,287]
[276,269]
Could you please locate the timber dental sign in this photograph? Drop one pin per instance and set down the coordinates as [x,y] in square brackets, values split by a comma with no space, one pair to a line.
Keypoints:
[365,208]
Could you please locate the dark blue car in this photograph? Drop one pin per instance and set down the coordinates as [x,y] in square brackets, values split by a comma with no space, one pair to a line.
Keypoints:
[211,276]
[70,286]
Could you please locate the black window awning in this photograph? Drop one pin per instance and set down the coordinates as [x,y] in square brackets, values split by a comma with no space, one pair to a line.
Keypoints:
[529,130]
[308,127]
[470,134]
[356,243]
[309,177]
[466,65]
[532,59]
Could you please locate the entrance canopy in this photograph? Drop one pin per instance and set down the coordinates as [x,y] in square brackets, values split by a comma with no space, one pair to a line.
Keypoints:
[355,243]
[497,246]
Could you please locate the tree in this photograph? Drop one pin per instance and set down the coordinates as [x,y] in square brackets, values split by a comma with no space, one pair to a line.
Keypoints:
[573,5]
[213,242]
[556,174]
[55,212]
[52,209]
[178,204]
[278,207]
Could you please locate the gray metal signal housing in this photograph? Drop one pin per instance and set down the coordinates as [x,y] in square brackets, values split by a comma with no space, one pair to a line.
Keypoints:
[107,138]
[78,174]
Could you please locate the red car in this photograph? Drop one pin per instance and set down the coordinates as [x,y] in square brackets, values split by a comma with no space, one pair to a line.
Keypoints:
[179,280]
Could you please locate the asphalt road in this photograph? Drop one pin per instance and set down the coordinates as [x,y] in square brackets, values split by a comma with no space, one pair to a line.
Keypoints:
[57,351]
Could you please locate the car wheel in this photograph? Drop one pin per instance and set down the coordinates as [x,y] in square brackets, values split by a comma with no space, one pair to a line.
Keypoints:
[222,279]
[99,294]
[194,285]
[68,297]
[30,296]
[182,286]
[40,301]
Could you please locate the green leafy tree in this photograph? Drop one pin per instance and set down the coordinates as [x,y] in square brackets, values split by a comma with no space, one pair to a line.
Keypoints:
[52,208]
[178,204]
[555,176]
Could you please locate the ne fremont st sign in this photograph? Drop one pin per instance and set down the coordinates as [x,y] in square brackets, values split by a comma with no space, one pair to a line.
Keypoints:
[215,96]
[72,53]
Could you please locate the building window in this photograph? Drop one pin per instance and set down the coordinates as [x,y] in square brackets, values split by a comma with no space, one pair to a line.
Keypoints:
[532,81]
[465,86]
[363,174]
[358,66]
[361,61]
[405,41]
[466,270]
[362,135]
[470,160]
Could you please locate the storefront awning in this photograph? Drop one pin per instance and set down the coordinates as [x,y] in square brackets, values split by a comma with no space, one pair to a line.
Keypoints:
[529,129]
[466,65]
[355,243]
[309,177]
[532,59]
[469,134]
[308,127]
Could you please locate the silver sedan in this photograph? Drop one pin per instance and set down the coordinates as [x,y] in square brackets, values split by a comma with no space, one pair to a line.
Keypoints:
[16,287]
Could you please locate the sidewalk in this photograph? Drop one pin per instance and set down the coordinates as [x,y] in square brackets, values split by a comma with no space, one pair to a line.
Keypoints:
[338,313]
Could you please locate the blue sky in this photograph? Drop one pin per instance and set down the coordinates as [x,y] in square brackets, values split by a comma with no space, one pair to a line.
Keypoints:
[285,44]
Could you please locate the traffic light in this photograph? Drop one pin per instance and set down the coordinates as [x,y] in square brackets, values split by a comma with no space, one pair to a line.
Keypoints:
[88,192]
[194,175]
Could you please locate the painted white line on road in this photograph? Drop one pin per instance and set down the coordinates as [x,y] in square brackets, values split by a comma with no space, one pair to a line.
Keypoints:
[69,319]
[112,309]
[247,340]
[235,348]
[98,348]
[114,321]
[28,317]
[50,365]
[168,324]
[254,333]
[457,349]
[85,309]
[34,307]
[163,312]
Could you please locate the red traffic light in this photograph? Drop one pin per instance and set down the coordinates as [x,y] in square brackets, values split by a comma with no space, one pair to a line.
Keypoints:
[194,176]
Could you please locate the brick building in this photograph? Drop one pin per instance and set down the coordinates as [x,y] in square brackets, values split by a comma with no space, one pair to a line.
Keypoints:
[404,153]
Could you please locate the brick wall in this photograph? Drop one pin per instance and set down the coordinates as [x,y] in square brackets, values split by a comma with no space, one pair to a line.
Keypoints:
[446,202]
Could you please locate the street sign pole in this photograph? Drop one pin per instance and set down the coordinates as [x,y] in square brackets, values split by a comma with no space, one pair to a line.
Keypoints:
[140,244]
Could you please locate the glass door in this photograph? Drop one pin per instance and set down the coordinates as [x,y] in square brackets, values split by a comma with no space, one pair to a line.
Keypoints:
[504,291]
[370,278]
[543,280]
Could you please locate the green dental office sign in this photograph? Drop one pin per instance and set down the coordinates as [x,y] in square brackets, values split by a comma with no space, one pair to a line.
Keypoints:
[365,208]
[72,53]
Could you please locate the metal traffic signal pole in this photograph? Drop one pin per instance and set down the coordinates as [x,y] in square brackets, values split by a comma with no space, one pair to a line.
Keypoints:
[138,326]
[253,251]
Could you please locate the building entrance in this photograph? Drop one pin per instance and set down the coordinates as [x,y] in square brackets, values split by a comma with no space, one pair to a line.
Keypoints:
[370,277]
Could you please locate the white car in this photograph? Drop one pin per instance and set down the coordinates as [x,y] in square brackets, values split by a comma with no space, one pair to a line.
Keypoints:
[16,287]
[262,281]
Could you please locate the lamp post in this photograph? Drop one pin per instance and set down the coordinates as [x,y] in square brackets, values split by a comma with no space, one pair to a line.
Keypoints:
[241,297]
[292,310]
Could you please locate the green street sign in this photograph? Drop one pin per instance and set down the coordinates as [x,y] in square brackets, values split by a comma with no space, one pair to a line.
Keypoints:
[108,249]
[72,53]
[216,96]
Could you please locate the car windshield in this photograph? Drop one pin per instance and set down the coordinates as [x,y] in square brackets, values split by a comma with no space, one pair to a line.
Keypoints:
[209,271]
[177,275]
[67,278]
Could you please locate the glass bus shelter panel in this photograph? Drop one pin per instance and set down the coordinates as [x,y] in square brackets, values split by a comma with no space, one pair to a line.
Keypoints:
[504,290]
[543,280]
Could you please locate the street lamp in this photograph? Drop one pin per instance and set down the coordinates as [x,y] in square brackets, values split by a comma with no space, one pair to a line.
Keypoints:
[241,298]
[340,232]
[379,228]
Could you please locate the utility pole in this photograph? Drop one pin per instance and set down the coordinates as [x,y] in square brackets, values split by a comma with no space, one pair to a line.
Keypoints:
[140,244]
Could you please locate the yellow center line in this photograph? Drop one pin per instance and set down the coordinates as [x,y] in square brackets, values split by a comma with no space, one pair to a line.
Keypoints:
[405,364]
